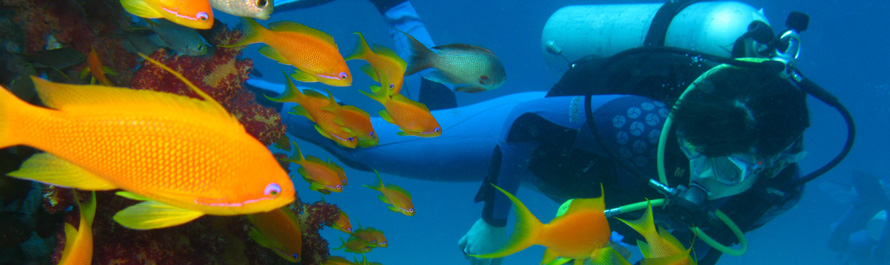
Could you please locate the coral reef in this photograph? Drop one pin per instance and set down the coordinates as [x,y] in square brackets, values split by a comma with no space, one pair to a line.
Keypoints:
[312,218]
[221,76]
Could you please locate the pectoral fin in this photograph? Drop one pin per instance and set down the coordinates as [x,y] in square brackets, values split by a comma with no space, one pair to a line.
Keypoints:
[153,215]
[50,169]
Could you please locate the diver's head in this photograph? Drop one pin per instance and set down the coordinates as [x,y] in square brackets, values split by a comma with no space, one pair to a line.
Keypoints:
[737,125]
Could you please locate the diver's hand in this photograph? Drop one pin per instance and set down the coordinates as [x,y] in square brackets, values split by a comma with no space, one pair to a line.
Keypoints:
[481,239]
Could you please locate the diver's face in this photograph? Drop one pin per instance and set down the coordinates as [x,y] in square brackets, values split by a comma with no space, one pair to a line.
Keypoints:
[729,175]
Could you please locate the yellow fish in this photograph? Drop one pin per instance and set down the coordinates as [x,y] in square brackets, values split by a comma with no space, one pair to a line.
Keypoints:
[184,157]
[278,230]
[312,52]
[661,247]
[79,243]
[385,66]
[398,198]
[190,13]
[412,117]
[342,223]
[322,176]
[311,104]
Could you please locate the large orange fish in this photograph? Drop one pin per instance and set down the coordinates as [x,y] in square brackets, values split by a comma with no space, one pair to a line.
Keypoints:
[322,176]
[190,13]
[399,199]
[184,157]
[412,117]
[79,243]
[312,52]
[660,248]
[311,104]
[278,230]
[385,66]
[576,234]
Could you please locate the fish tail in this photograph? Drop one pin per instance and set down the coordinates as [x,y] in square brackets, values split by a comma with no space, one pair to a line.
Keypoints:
[525,232]
[88,209]
[379,184]
[645,225]
[377,93]
[251,32]
[361,50]
[11,108]
[290,94]
[421,56]
[297,156]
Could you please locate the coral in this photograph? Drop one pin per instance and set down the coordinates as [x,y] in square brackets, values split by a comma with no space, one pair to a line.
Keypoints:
[221,76]
[312,218]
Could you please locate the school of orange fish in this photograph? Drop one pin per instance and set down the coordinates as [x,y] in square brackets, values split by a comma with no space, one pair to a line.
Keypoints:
[185,158]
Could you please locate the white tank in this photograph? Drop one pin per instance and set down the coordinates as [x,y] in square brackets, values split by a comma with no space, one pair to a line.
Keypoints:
[604,30]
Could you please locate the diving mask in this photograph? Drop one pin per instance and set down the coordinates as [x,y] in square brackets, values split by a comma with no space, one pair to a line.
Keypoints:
[732,174]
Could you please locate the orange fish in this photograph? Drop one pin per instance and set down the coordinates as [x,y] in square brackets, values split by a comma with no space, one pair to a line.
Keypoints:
[399,199]
[661,247]
[372,236]
[385,66]
[342,223]
[576,234]
[354,245]
[184,157]
[312,52]
[311,104]
[355,121]
[94,65]
[322,176]
[190,13]
[79,243]
[412,117]
[337,260]
[278,230]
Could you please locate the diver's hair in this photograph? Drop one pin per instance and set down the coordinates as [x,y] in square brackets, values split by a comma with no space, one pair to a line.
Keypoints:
[736,108]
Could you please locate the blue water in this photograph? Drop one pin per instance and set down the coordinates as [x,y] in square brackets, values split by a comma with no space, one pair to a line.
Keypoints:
[845,50]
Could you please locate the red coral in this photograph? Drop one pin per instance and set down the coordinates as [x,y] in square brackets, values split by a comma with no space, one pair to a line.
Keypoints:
[314,217]
[221,75]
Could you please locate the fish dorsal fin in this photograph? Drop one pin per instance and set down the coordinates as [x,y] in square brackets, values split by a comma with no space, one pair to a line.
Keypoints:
[314,159]
[313,93]
[295,27]
[461,46]
[402,98]
[398,189]
[354,109]
[670,239]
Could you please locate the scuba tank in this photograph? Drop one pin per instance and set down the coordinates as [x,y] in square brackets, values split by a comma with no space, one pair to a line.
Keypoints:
[573,32]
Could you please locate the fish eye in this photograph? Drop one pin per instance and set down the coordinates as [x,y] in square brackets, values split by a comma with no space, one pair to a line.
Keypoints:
[410,210]
[371,134]
[350,139]
[343,75]
[262,3]
[295,256]
[391,86]
[203,16]
[483,79]
[338,187]
[437,129]
[272,189]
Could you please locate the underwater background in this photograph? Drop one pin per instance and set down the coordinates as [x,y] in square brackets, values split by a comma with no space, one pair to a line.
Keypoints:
[846,50]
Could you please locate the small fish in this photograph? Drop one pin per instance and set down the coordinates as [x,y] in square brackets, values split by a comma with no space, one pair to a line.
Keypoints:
[372,236]
[322,176]
[399,199]
[365,261]
[473,69]
[412,117]
[259,9]
[576,234]
[313,52]
[95,68]
[660,247]
[337,260]
[183,157]
[190,13]
[311,104]
[342,223]
[355,121]
[183,40]
[278,230]
[354,245]
[79,243]
[385,66]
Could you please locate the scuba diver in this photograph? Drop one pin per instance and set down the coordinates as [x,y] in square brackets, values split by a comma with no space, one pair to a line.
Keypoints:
[718,137]
[863,235]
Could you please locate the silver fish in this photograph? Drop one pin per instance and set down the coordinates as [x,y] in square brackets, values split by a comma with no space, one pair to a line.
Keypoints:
[471,68]
[260,9]
[182,39]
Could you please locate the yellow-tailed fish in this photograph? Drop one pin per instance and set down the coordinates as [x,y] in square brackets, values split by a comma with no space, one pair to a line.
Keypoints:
[399,199]
[471,68]
[412,117]
[353,245]
[184,157]
[354,121]
[385,66]
[342,223]
[372,236]
[96,69]
[576,234]
[322,176]
[660,247]
[278,230]
[190,13]
[312,52]
[311,104]
[79,243]
[260,9]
